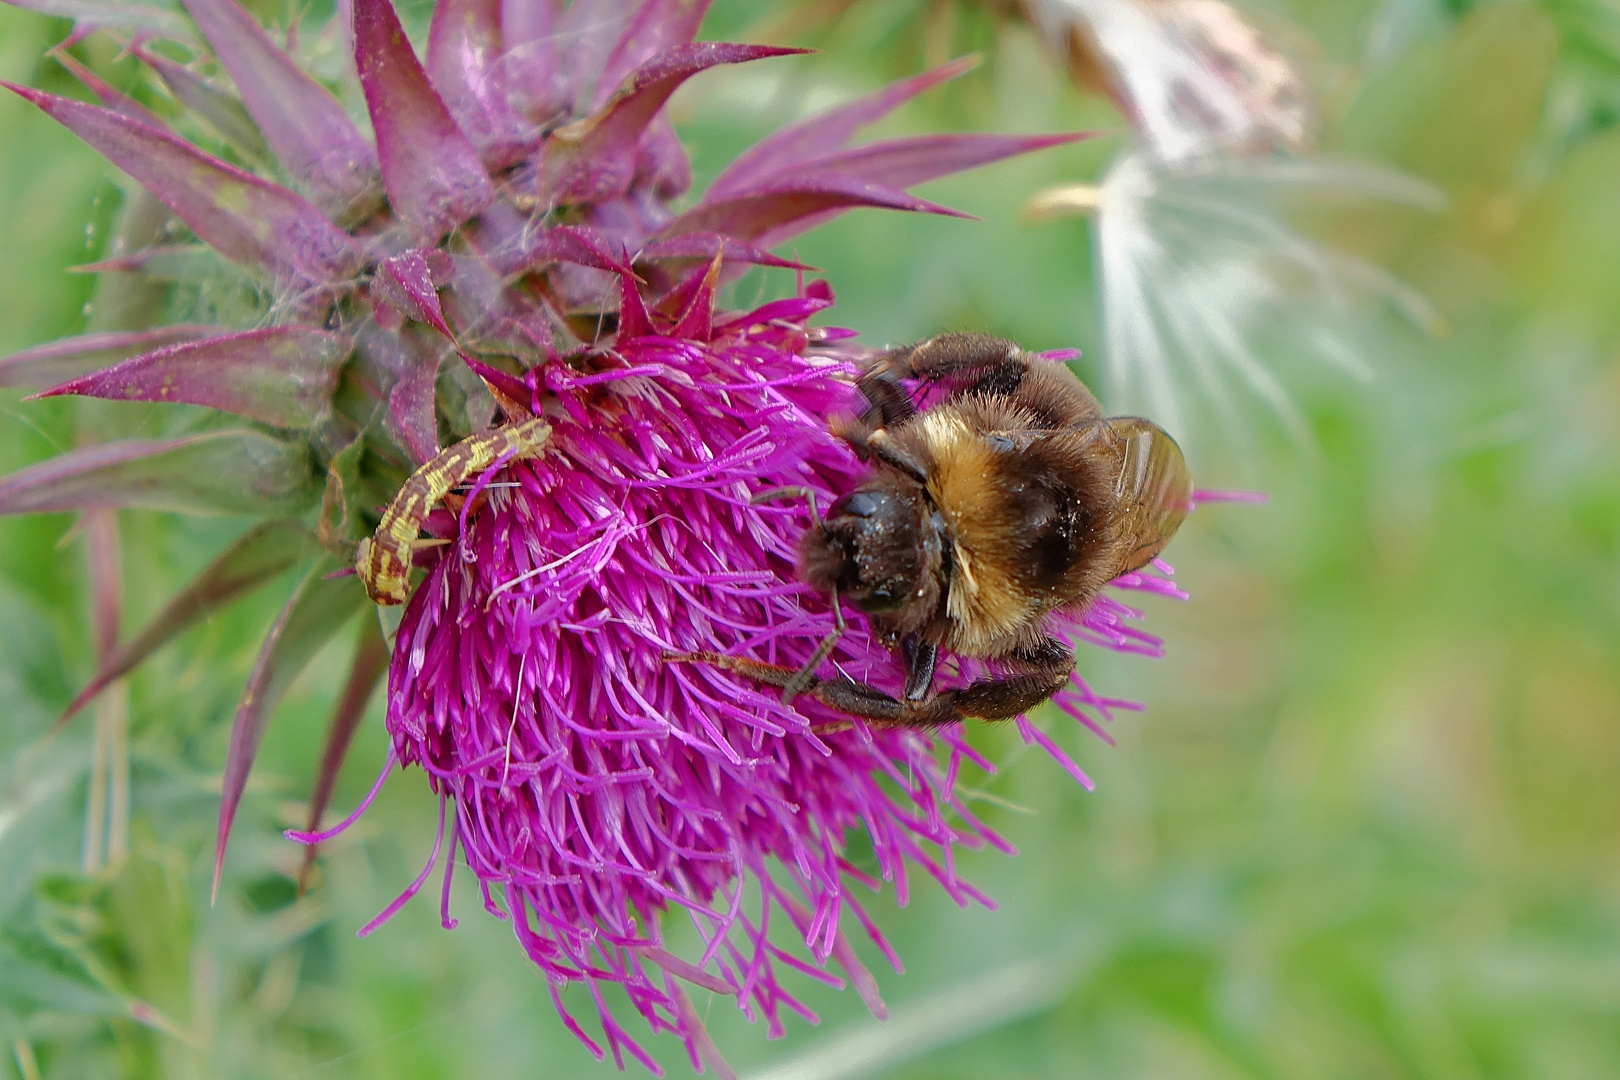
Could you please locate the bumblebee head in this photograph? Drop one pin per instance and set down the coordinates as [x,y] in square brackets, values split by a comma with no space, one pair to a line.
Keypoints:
[880,548]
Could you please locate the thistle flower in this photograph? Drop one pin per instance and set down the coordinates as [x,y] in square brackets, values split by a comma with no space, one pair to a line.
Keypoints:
[592,785]
[509,239]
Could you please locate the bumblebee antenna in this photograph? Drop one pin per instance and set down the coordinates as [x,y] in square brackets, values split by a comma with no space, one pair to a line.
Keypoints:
[802,678]
[794,491]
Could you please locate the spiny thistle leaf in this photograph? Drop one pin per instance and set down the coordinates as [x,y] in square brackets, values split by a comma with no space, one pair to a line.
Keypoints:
[258,555]
[467,64]
[110,96]
[365,672]
[594,160]
[577,244]
[411,408]
[825,132]
[317,609]
[533,78]
[409,282]
[113,14]
[282,376]
[303,123]
[770,214]
[586,31]
[219,472]
[905,162]
[223,111]
[402,367]
[697,320]
[433,174]
[706,245]
[71,357]
[493,317]
[655,27]
[246,219]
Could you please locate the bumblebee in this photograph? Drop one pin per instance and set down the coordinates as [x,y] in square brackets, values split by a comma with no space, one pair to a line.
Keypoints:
[1009,499]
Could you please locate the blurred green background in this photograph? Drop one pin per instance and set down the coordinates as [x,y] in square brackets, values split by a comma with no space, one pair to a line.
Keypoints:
[1368,825]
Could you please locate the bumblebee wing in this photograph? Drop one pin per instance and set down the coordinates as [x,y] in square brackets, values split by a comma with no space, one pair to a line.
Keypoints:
[1153,489]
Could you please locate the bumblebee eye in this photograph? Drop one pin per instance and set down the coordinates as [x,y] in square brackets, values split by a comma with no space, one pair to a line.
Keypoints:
[879,600]
[855,504]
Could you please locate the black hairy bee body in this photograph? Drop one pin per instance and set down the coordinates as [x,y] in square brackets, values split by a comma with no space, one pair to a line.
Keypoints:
[1011,498]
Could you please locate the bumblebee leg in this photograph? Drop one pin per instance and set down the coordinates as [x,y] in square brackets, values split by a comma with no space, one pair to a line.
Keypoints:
[999,363]
[988,699]
[845,695]
[775,493]
[985,366]
[887,403]
[758,670]
[890,452]
[1049,665]
[797,685]
[920,658]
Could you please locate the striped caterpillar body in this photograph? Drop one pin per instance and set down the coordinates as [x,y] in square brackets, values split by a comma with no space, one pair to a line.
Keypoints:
[383,561]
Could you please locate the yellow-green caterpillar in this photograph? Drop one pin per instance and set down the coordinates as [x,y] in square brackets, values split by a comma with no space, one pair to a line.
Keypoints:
[384,560]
